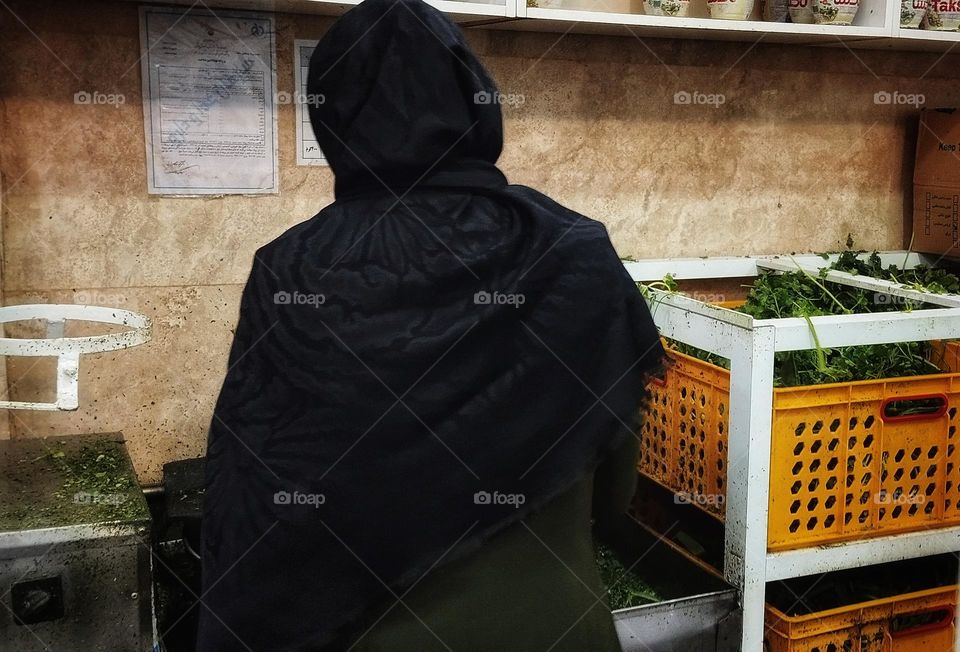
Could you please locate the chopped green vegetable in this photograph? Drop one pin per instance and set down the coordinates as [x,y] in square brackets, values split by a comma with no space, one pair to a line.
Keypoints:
[91,483]
[624,588]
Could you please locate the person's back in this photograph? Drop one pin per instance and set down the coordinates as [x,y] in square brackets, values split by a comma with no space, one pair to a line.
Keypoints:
[423,374]
[531,588]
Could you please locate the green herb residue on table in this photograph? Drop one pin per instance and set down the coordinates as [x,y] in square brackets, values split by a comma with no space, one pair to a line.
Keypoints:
[89,484]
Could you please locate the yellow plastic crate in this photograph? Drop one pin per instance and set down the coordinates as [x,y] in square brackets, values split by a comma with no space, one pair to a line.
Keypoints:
[946,355]
[914,622]
[840,469]
[683,436]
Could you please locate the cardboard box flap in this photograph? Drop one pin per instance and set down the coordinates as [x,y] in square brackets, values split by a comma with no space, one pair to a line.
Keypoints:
[938,149]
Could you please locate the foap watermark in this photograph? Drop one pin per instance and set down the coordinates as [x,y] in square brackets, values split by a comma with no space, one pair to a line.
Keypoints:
[896,98]
[306,99]
[284,298]
[299,498]
[510,99]
[90,98]
[899,498]
[484,298]
[703,500]
[95,298]
[708,297]
[884,299]
[96,498]
[716,100]
[497,498]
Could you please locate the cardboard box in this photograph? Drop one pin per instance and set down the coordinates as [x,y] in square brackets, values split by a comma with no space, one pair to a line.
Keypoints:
[936,183]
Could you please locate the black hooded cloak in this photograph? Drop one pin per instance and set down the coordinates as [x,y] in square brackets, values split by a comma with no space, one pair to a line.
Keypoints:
[425,353]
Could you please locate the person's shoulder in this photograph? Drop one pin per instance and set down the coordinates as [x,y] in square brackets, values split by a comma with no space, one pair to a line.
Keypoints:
[559,216]
[290,240]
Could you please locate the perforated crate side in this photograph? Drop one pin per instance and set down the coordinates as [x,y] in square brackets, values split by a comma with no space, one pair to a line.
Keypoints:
[840,470]
[701,395]
[657,456]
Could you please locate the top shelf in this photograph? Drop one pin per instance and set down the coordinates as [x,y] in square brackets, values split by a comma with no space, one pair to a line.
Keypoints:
[876,26]
[463,12]
[591,22]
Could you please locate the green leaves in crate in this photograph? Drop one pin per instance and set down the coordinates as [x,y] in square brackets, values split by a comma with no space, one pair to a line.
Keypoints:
[802,294]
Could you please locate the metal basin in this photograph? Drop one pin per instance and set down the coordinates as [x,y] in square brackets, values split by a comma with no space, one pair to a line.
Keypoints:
[699,613]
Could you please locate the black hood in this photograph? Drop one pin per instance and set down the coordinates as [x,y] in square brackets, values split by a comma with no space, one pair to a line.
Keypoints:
[388,117]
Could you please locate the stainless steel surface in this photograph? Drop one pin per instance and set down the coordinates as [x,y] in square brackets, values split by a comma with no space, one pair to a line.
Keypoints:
[699,611]
[700,623]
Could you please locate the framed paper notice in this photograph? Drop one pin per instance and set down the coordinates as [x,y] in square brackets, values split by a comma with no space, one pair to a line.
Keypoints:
[308,151]
[209,99]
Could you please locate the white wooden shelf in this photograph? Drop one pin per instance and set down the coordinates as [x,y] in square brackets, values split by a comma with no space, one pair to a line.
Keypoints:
[856,554]
[461,12]
[876,26]
[594,22]
[927,40]
[873,21]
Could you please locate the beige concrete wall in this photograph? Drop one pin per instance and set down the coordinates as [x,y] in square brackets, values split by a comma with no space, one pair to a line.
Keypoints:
[797,157]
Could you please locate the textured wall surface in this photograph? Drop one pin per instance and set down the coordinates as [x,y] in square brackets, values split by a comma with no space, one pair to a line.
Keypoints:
[796,157]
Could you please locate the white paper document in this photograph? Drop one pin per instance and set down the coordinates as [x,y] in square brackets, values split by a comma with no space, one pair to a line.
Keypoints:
[308,151]
[209,97]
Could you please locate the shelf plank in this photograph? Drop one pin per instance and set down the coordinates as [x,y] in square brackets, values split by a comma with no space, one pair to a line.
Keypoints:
[461,12]
[865,552]
[692,27]
[926,40]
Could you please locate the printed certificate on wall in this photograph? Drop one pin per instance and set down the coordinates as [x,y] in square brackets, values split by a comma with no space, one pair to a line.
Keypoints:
[209,98]
[308,151]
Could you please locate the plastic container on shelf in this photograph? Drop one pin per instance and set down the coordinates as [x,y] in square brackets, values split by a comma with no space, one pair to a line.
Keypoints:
[776,11]
[834,12]
[912,13]
[730,9]
[801,11]
[666,7]
[848,460]
[942,15]
[922,621]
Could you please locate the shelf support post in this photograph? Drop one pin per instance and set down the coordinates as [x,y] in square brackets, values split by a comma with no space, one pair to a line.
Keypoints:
[748,476]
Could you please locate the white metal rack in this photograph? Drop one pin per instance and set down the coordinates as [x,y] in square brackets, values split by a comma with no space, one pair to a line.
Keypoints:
[750,345]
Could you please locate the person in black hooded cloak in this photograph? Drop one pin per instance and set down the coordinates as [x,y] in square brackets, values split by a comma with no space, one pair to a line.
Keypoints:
[433,382]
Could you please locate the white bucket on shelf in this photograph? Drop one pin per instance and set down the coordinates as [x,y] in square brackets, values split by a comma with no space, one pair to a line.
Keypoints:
[834,12]
[801,11]
[776,11]
[730,9]
[912,13]
[666,7]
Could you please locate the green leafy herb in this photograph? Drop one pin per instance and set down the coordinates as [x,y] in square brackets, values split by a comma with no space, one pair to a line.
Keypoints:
[624,588]
[805,295]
